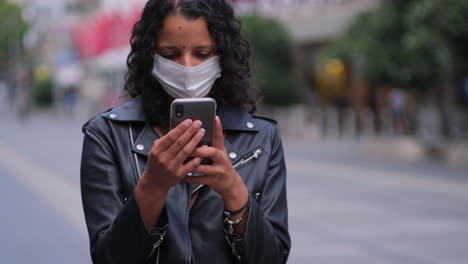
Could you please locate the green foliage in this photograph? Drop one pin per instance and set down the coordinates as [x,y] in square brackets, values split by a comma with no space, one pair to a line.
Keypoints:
[437,37]
[413,44]
[43,86]
[11,32]
[372,44]
[43,93]
[273,60]
[276,86]
[428,56]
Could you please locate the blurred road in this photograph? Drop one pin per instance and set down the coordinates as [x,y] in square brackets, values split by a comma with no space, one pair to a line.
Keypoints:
[347,204]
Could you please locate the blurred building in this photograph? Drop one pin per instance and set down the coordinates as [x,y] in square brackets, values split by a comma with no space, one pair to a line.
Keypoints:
[314,24]
[85,42]
[311,23]
[101,38]
[102,42]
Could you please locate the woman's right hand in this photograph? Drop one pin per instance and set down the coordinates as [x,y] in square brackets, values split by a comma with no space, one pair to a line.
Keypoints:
[165,166]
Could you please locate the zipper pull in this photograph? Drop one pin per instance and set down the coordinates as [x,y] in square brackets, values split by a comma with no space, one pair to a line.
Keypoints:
[156,245]
[256,195]
[257,153]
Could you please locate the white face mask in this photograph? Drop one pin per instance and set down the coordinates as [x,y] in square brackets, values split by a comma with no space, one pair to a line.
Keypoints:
[186,82]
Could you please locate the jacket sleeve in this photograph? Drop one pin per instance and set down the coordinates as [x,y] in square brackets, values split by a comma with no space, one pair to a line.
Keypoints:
[116,229]
[267,238]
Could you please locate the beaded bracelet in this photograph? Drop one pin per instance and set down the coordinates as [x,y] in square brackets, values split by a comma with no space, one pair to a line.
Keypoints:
[232,223]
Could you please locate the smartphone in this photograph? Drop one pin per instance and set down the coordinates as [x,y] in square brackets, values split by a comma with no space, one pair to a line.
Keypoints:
[203,109]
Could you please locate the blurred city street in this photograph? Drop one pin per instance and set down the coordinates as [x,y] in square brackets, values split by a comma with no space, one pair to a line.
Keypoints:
[371,98]
[347,203]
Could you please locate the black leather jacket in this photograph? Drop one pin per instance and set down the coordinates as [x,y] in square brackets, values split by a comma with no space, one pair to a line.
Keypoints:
[115,149]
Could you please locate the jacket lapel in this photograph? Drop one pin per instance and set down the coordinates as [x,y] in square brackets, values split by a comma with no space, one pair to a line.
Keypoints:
[145,140]
[148,135]
[232,119]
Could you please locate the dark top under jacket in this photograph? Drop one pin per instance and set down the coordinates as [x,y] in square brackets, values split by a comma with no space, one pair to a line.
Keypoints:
[115,151]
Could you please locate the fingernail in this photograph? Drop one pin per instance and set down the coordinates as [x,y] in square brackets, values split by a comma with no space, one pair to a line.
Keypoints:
[197,124]
[187,122]
[201,132]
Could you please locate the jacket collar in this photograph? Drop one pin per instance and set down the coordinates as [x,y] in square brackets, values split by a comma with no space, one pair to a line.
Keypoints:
[130,111]
[236,118]
[232,117]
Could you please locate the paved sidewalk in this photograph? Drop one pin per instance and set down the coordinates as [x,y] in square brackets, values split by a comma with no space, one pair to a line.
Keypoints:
[347,203]
[349,206]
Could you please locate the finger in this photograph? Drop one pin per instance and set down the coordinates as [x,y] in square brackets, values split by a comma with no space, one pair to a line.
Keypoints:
[167,140]
[207,169]
[180,142]
[218,137]
[187,150]
[207,152]
[189,167]
[202,179]
[204,152]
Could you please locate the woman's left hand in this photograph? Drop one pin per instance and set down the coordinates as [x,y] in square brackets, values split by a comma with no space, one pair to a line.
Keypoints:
[220,175]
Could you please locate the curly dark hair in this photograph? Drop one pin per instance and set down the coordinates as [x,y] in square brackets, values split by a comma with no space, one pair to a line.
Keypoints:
[233,87]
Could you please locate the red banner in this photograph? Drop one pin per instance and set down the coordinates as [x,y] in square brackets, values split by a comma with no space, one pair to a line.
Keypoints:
[105,32]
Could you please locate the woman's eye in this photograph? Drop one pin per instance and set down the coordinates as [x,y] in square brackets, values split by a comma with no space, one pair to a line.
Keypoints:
[203,55]
[169,56]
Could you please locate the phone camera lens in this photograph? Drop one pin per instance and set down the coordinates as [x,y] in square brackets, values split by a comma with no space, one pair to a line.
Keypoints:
[179,111]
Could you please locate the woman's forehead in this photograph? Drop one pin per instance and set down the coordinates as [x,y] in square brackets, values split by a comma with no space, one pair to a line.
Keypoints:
[178,31]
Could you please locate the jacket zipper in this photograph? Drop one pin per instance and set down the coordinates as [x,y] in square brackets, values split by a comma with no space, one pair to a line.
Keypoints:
[254,155]
[189,255]
[156,246]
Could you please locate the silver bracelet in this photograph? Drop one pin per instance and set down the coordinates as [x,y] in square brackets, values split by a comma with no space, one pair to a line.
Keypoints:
[232,223]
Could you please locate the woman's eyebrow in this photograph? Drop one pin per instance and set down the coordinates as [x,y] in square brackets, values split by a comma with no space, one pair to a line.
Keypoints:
[205,47]
[170,48]
[162,48]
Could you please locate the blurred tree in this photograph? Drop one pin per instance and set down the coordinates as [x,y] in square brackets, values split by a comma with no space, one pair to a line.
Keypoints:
[11,35]
[437,41]
[372,47]
[43,88]
[273,60]
[417,45]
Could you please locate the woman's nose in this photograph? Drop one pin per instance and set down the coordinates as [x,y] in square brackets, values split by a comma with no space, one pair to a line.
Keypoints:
[188,60]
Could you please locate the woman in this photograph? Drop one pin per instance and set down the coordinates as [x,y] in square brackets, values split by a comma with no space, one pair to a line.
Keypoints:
[139,202]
